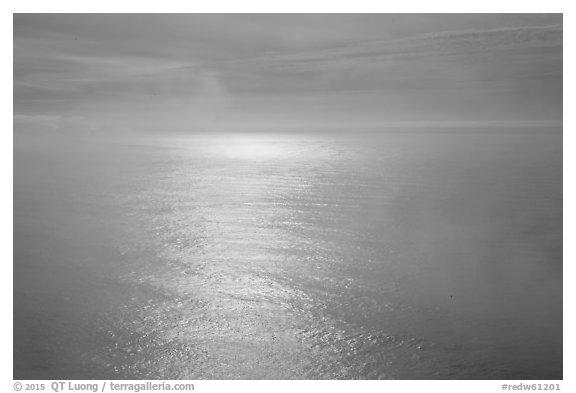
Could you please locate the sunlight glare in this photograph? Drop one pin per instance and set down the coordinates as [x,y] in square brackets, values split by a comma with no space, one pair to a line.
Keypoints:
[250,147]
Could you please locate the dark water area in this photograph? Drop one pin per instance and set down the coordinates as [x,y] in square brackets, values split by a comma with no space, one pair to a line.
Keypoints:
[351,256]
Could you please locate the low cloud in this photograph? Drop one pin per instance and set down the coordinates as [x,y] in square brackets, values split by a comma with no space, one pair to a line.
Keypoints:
[126,77]
[51,123]
[436,44]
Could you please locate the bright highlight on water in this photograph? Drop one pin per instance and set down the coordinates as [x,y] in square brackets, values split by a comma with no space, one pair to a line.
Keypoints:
[288,196]
[390,256]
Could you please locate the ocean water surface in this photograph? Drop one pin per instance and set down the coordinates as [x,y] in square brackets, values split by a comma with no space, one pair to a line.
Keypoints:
[397,255]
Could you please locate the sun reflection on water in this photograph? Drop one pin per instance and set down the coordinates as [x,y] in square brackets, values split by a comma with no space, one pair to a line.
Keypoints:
[248,147]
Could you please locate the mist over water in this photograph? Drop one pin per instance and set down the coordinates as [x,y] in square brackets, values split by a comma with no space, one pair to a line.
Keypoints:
[288,196]
[398,255]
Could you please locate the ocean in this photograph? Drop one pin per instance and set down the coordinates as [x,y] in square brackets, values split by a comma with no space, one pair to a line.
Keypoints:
[399,254]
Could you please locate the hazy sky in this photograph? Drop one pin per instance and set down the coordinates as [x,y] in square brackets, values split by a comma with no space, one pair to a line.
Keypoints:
[123,72]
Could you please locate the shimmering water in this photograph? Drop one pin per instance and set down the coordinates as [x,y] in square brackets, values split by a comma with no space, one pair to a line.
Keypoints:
[402,256]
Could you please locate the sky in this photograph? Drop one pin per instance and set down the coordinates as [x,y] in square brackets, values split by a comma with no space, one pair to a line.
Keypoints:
[98,73]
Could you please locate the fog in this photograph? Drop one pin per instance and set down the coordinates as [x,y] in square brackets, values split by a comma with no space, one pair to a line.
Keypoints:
[109,74]
[288,196]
